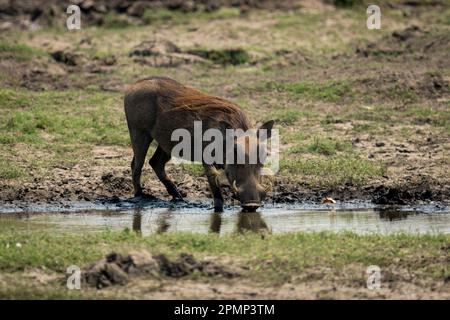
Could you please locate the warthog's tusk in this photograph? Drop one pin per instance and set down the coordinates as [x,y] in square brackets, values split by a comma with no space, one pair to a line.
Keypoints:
[234,187]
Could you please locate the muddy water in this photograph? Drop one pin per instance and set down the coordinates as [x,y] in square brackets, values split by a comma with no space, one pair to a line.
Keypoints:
[359,218]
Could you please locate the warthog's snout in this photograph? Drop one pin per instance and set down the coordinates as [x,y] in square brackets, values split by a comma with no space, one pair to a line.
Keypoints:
[250,206]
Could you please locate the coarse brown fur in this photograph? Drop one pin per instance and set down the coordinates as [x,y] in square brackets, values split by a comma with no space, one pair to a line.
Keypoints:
[157,106]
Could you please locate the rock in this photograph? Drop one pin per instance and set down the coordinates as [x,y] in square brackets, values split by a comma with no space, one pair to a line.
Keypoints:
[162,53]
[407,33]
[154,48]
[137,9]
[93,276]
[6,25]
[115,274]
[87,5]
[142,262]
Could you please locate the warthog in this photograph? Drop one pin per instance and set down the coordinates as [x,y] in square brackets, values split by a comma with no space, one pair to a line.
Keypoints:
[157,106]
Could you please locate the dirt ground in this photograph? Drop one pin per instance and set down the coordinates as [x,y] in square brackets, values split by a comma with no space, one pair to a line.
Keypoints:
[312,284]
[380,99]
[363,115]
[228,281]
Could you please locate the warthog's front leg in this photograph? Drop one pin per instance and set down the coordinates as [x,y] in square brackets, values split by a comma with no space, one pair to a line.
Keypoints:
[211,174]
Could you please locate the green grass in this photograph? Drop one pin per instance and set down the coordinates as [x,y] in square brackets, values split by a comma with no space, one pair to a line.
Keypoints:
[424,114]
[375,113]
[194,169]
[63,125]
[159,16]
[402,93]
[317,112]
[9,170]
[328,146]
[271,260]
[19,52]
[113,20]
[320,145]
[61,117]
[332,91]
[289,253]
[384,114]
[346,3]
[333,171]
[289,116]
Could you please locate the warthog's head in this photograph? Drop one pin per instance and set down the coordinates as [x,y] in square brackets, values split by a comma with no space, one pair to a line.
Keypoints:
[244,174]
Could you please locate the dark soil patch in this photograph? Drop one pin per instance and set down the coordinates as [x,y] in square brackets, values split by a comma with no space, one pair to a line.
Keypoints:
[223,57]
[116,268]
[67,58]
[411,42]
[401,196]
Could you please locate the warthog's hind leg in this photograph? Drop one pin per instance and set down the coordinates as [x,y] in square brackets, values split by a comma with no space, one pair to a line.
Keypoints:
[140,143]
[158,163]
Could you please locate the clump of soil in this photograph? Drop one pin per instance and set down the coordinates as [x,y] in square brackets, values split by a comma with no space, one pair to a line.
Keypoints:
[164,53]
[186,264]
[224,57]
[116,268]
[67,58]
[161,53]
[113,182]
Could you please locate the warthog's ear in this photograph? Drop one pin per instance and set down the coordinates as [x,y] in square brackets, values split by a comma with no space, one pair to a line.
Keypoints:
[223,126]
[268,129]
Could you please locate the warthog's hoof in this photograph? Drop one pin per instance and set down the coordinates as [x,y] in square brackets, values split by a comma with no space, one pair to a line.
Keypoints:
[143,197]
[177,200]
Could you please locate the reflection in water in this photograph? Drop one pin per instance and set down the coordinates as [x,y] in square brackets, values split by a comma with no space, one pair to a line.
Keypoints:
[215,222]
[163,221]
[273,220]
[137,221]
[246,221]
[251,221]
[390,214]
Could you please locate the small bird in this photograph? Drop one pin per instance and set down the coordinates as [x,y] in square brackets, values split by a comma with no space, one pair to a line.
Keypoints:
[328,200]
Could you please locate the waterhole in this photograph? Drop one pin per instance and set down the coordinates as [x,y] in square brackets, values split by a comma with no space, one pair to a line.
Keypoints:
[360,218]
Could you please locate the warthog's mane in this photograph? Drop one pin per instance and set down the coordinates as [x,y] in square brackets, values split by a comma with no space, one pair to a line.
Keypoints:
[184,98]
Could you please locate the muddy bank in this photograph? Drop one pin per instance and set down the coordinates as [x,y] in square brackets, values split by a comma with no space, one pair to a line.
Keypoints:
[112,186]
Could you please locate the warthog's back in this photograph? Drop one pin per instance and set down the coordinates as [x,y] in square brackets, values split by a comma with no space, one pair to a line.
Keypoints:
[158,106]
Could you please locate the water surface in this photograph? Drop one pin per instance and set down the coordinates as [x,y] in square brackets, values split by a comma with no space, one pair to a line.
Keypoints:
[360,218]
